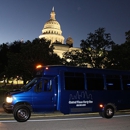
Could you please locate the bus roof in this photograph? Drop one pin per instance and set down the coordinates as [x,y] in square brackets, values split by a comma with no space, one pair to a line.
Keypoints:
[84,69]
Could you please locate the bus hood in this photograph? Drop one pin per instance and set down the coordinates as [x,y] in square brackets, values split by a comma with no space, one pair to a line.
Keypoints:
[15,91]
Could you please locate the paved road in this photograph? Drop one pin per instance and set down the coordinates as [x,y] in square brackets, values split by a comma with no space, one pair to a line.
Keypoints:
[58,121]
[69,123]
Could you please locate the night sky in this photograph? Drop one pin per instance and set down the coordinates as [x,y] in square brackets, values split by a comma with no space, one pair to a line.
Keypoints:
[24,19]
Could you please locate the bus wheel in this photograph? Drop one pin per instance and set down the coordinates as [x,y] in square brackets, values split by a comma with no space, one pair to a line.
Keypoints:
[108,112]
[21,113]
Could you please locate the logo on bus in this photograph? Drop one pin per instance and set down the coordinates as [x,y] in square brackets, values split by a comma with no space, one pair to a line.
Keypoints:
[80,99]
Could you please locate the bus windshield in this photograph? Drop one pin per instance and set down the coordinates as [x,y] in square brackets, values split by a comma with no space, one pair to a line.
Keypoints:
[29,85]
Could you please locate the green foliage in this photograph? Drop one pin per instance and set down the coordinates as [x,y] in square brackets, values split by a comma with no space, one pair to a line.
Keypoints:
[3,58]
[127,34]
[120,57]
[94,51]
[97,51]
[23,58]
[72,58]
[95,48]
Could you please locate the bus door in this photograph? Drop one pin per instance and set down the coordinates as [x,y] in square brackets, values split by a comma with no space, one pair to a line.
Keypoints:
[44,95]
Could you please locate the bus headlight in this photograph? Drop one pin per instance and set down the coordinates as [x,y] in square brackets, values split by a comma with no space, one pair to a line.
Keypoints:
[9,99]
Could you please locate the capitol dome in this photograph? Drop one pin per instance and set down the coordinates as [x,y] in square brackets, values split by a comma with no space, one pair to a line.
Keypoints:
[52,30]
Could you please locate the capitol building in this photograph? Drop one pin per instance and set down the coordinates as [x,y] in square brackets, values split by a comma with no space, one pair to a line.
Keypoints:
[52,32]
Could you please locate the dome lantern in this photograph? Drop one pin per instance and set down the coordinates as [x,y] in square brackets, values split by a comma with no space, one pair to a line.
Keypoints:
[53,14]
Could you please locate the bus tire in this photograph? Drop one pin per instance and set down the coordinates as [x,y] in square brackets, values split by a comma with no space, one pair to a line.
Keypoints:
[108,112]
[21,113]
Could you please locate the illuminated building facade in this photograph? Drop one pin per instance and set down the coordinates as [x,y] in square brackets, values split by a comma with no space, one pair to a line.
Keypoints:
[52,31]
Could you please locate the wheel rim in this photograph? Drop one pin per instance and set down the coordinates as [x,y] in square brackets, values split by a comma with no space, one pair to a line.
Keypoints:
[22,114]
[109,112]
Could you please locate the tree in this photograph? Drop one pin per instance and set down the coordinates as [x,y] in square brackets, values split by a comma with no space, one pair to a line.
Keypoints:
[95,48]
[119,56]
[31,53]
[127,34]
[72,58]
[3,58]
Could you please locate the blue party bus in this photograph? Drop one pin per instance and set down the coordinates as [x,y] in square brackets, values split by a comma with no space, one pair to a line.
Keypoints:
[71,90]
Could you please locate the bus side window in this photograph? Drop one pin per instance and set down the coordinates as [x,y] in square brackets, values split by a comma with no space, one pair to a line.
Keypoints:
[95,81]
[113,82]
[38,88]
[126,82]
[74,81]
[47,85]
